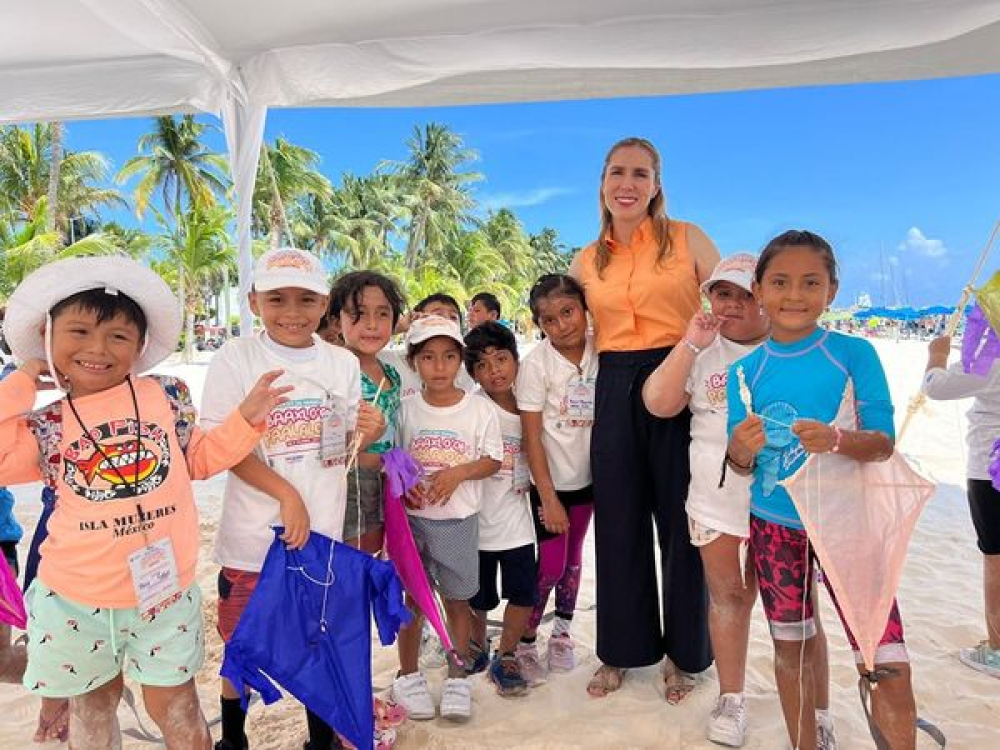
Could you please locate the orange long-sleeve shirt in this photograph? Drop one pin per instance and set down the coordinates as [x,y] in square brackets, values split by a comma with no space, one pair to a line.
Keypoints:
[99,519]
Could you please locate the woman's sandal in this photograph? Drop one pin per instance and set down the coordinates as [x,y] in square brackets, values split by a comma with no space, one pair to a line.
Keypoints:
[677,685]
[55,726]
[606,679]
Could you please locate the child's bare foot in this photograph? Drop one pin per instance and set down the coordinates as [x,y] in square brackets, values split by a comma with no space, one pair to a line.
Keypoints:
[53,720]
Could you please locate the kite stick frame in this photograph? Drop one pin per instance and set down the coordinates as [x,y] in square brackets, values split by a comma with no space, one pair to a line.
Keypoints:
[917,401]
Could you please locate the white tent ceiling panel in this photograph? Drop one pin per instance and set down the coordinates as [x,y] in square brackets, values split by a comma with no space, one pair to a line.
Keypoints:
[61,59]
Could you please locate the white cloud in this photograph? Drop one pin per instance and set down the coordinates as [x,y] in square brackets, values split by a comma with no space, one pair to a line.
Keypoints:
[521,198]
[919,243]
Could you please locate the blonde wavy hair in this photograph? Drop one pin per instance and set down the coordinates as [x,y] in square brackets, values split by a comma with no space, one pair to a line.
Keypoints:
[657,208]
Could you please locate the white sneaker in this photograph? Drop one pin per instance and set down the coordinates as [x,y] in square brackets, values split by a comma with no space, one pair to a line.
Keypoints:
[456,699]
[411,692]
[825,739]
[727,724]
[559,654]
[532,669]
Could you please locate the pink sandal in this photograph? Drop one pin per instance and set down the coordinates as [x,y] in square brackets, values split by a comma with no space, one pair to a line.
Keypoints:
[388,715]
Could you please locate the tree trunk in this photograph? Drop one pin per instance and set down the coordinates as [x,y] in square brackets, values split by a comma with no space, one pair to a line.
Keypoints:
[182,294]
[226,301]
[414,242]
[189,336]
[55,166]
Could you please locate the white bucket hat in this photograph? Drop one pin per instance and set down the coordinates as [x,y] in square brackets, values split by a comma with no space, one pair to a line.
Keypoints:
[28,307]
[737,269]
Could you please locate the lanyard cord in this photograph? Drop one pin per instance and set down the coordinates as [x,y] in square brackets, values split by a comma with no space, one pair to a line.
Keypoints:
[112,464]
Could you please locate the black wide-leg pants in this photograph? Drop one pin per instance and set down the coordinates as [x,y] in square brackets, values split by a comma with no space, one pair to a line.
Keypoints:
[641,472]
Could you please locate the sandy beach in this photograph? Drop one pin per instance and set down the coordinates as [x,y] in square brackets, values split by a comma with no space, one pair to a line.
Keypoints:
[940,598]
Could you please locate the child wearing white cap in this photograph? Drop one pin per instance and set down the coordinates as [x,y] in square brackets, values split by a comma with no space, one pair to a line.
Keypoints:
[694,375]
[297,475]
[115,591]
[456,438]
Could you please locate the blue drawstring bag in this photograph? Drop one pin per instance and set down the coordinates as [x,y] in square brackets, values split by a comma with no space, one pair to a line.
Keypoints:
[307,628]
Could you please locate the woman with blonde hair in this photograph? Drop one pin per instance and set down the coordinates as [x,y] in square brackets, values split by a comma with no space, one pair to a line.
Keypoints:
[642,280]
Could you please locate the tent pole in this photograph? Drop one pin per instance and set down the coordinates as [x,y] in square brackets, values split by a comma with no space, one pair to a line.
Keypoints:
[244,127]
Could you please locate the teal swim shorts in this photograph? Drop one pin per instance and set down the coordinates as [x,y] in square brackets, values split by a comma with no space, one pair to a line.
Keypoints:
[75,648]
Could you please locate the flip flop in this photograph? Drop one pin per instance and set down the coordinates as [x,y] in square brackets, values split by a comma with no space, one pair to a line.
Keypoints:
[55,726]
[677,685]
[606,679]
[388,715]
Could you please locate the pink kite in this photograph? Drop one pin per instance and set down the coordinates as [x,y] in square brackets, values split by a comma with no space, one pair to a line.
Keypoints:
[402,474]
[12,610]
[859,518]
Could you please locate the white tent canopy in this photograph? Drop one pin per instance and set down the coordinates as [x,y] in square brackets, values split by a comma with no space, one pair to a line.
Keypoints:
[66,59]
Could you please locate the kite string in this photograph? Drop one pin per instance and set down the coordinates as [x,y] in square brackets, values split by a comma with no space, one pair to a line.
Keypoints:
[352,461]
[807,582]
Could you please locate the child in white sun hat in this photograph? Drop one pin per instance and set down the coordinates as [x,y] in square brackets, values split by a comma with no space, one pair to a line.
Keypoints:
[116,590]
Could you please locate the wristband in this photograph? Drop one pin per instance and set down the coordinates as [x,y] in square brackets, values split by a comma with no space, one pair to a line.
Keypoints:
[836,442]
[737,465]
[697,350]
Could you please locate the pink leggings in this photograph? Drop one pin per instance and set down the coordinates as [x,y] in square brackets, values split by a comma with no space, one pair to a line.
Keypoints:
[559,561]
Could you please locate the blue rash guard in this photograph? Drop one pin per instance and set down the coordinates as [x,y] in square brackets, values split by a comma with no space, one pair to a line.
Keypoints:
[803,380]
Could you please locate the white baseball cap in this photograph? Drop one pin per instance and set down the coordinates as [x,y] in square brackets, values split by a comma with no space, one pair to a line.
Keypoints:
[429,326]
[289,267]
[737,269]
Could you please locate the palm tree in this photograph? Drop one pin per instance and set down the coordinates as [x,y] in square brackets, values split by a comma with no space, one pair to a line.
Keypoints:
[198,251]
[436,190]
[173,160]
[33,166]
[28,245]
[355,224]
[550,255]
[286,175]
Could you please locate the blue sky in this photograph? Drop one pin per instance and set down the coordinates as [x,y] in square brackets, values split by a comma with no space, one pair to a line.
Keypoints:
[902,178]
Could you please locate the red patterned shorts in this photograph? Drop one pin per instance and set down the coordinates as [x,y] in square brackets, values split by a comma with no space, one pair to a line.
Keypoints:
[786,569]
[235,588]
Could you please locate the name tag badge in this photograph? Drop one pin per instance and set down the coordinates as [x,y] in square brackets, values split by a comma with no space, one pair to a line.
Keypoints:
[333,432]
[154,576]
[580,399]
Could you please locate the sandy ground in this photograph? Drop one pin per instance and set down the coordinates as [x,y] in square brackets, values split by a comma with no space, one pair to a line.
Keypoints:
[940,598]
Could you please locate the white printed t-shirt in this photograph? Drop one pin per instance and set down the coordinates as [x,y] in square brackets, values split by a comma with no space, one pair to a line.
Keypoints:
[549,383]
[505,518]
[306,440]
[439,437]
[725,509]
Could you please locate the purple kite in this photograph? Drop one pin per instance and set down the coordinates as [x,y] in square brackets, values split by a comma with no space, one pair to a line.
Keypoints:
[402,474]
[980,344]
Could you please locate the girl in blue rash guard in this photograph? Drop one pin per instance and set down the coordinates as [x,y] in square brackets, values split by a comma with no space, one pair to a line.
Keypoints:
[796,380]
